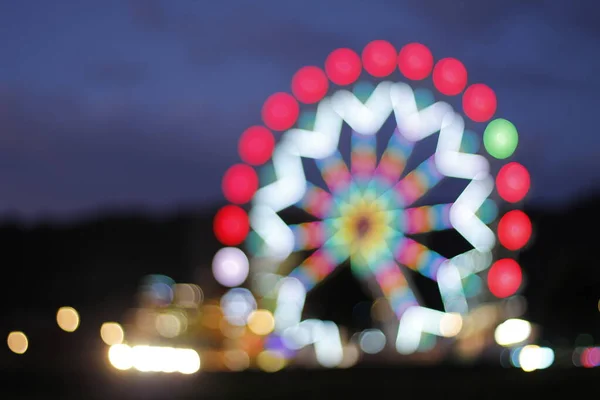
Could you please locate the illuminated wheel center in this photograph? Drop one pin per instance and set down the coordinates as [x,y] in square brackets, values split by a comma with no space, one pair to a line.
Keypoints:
[364,224]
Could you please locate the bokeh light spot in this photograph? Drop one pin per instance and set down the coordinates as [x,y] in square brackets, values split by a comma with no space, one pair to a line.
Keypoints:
[230,266]
[280,111]
[261,322]
[379,58]
[67,319]
[504,278]
[17,342]
[514,230]
[500,138]
[270,361]
[479,102]
[415,61]
[256,145]
[343,66]
[450,76]
[231,225]
[112,333]
[513,182]
[239,184]
[310,84]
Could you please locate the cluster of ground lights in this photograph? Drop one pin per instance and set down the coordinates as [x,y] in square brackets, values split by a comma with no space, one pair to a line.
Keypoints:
[121,356]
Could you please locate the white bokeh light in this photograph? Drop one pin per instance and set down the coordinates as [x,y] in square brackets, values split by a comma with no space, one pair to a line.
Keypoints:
[230,266]
[237,305]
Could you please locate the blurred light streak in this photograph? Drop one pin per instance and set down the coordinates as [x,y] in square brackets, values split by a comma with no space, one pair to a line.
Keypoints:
[451,288]
[290,302]
[154,359]
[419,320]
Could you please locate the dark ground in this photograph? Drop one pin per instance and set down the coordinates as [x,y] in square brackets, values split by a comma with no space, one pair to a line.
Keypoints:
[424,383]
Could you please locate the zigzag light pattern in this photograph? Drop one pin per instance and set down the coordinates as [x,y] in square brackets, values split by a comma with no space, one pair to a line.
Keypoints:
[367,118]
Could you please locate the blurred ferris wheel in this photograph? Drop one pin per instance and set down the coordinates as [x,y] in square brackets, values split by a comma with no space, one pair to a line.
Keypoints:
[369,208]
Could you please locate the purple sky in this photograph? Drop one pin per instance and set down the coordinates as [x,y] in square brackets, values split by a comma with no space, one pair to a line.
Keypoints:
[116,103]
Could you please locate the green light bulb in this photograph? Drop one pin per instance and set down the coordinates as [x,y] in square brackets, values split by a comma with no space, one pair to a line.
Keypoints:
[500,138]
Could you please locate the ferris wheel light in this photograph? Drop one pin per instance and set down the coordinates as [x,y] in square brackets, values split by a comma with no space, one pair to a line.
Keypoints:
[479,102]
[230,266]
[504,278]
[379,58]
[256,145]
[280,111]
[514,230]
[450,76]
[500,138]
[310,84]
[381,187]
[415,61]
[513,182]
[240,182]
[231,225]
[343,66]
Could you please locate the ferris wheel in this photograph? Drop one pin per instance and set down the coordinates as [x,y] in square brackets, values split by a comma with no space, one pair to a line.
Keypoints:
[365,208]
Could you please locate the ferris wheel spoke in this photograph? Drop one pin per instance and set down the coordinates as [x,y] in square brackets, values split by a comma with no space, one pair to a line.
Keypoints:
[393,285]
[393,161]
[335,172]
[316,201]
[363,158]
[417,257]
[418,182]
[427,219]
[311,235]
[319,265]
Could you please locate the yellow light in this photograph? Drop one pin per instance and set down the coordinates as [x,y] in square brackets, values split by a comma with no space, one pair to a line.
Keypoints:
[67,319]
[112,333]
[270,361]
[154,359]
[512,331]
[529,358]
[451,325]
[237,360]
[17,342]
[261,322]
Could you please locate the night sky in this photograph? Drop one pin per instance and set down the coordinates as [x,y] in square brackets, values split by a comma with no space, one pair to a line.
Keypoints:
[140,103]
